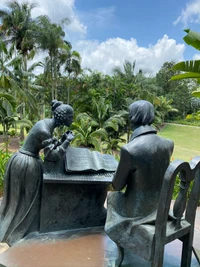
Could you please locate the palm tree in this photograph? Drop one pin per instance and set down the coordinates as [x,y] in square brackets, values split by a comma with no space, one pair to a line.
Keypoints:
[127,74]
[24,86]
[72,64]
[135,86]
[101,112]
[86,132]
[50,38]
[6,62]
[18,27]
[162,107]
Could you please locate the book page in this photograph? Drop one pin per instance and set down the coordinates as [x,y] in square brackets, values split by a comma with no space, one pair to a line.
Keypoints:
[82,159]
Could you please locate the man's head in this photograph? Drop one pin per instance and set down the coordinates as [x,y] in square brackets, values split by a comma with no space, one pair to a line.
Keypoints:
[141,113]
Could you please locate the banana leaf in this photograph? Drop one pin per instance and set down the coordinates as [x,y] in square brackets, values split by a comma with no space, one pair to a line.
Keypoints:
[187,75]
[192,38]
[188,66]
[196,93]
[191,67]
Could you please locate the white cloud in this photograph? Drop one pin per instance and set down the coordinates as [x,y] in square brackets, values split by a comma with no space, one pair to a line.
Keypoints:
[113,52]
[104,56]
[191,14]
[196,57]
[58,10]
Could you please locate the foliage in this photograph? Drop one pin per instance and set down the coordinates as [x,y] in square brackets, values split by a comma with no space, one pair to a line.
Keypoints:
[177,188]
[178,91]
[196,93]
[194,117]
[113,145]
[190,68]
[7,109]
[4,157]
[50,38]
[127,73]
[86,132]
[105,98]
[163,78]
[162,107]
[185,122]
[18,26]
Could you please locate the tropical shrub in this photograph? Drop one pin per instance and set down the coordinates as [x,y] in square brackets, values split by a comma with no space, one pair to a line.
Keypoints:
[193,117]
[4,157]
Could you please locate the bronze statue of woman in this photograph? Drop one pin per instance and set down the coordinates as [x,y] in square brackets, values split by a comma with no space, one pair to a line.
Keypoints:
[20,208]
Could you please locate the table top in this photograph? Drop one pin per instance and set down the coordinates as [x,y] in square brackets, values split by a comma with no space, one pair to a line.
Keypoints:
[89,178]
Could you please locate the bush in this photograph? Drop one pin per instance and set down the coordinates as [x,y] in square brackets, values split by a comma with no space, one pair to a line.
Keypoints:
[12,132]
[186,122]
[4,157]
[177,189]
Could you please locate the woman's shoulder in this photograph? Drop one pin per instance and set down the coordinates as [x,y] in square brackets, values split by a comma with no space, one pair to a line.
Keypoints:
[41,128]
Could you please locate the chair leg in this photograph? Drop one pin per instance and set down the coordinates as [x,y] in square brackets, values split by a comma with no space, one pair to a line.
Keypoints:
[187,250]
[158,257]
[196,256]
[120,256]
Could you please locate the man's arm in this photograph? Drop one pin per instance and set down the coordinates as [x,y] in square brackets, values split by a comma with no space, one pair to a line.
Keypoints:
[123,170]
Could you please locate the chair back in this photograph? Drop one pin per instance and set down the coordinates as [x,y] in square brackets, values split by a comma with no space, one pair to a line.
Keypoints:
[186,201]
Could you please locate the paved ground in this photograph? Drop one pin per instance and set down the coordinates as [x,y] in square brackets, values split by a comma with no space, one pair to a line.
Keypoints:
[88,248]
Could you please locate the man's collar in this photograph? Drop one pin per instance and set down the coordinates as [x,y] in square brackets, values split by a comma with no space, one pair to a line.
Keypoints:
[146,129]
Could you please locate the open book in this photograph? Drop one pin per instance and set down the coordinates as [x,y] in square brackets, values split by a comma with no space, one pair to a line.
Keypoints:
[83,160]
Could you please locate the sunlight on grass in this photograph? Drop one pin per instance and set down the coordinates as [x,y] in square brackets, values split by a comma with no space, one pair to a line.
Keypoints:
[186,140]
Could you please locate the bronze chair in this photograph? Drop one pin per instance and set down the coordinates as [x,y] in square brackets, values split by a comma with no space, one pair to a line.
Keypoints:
[179,224]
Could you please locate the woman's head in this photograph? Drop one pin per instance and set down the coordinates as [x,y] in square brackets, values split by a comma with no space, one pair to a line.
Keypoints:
[141,113]
[63,113]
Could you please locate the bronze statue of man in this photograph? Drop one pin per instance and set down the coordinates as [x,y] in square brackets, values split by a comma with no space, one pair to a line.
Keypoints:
[143,162]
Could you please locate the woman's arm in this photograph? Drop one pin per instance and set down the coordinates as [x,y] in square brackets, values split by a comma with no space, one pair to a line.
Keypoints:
[55,151]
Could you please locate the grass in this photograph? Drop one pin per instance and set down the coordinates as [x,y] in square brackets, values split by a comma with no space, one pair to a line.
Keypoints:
[186,140]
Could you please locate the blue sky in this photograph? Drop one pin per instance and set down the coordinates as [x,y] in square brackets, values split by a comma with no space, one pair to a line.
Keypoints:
[108,32]
[144,20]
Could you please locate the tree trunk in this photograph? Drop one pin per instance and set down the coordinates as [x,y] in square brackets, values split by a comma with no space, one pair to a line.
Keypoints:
[68,90]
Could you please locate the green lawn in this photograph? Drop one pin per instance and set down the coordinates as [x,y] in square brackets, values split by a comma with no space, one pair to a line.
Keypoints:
[186,140]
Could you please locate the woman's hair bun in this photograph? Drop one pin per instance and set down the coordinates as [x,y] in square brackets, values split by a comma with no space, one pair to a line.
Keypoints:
[55,104]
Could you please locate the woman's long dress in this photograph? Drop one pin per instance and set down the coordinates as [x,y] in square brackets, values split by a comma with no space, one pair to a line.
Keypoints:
[22,197]
[20,208]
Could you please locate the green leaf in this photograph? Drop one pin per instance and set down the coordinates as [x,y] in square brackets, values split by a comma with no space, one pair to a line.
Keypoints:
[189,66]
[192,38]
[185,76]
[196,93]
[9,99]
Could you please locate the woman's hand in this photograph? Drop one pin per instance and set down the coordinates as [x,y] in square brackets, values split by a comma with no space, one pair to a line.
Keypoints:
[69,136]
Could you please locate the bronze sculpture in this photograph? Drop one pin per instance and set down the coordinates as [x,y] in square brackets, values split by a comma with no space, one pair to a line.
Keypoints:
[141,169]
[20,208]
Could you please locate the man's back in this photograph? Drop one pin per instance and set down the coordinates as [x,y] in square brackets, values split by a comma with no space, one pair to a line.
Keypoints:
[149,157]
